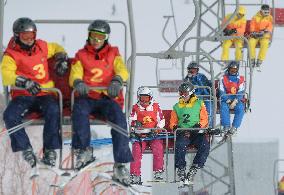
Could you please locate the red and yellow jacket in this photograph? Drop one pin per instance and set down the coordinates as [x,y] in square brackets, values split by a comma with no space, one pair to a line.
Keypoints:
[238,23]
[32,65]
[97,69]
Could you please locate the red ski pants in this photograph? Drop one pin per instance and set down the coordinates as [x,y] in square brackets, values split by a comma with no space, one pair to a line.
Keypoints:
[158,155]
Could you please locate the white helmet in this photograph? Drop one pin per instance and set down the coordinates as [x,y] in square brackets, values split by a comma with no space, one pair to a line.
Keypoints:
[144,91]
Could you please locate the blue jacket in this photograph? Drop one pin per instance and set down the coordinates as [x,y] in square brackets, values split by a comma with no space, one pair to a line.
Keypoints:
[199,80]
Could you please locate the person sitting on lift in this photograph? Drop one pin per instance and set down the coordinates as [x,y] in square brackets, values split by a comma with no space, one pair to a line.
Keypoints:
[189,112]
[231,93]
[146,113]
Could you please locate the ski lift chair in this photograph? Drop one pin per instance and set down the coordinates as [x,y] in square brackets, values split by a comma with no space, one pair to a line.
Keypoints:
[245,99]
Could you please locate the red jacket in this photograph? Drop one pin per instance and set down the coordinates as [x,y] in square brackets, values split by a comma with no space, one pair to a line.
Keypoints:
[150,117]
[32,65]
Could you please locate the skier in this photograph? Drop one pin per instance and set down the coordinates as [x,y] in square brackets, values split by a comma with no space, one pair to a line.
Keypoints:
[146,113]
[261,29]
[199,79]
[236,27]
[24,65]
[231,94]
[99,64]
[189,112]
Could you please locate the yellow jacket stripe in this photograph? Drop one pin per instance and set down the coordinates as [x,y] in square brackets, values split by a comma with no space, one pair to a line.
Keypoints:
[9,66]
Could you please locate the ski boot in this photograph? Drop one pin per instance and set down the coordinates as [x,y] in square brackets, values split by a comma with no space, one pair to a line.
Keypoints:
[49,157]
[135,179]
[181,177]
[30,157]
[252,61]
[121,174]
[226,130]
[191,173]
[232,131]
[258,63]
[158,175]
[84,157]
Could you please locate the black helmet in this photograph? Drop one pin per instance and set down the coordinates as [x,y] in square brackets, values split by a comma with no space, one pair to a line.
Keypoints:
[192,64]
[100,26]
[265,10]
[23,25]
[186,89]
[233,64]
[265,7]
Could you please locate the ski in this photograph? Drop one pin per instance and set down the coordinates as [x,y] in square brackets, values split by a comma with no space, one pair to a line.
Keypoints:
[70,177]
[34,173]
[156,181]
[131,188]
[224,139]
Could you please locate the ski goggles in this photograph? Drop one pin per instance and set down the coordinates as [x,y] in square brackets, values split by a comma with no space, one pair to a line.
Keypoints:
[265,12]
[98,36]
[193,71]
[185,94]
[144,98]
[233,71]
[25,36]
[239,15]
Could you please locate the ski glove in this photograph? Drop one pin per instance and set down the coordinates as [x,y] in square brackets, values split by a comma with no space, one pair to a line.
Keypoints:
[197,125]
[81,87]
[233,104]
[133,135]
[257,35]
[115,86]
[213,131]
[31,86]
[137,124]
[175,127]
[228,32]
[152,134]
[228,101]
[179,132]
[61,63]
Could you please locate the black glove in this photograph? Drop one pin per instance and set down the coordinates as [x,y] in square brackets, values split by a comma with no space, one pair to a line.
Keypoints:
[257,35]
[213,131]
[229,32]
[175,127]
[81,87]
[115,86]
[197,125]
[152,134]
[133,135]
[61,63]
[31,86]
[138,124]
[179,132]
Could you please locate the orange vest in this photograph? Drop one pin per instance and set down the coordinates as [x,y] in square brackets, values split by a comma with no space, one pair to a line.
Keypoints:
[99,69]
[33,66]
[232,87]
